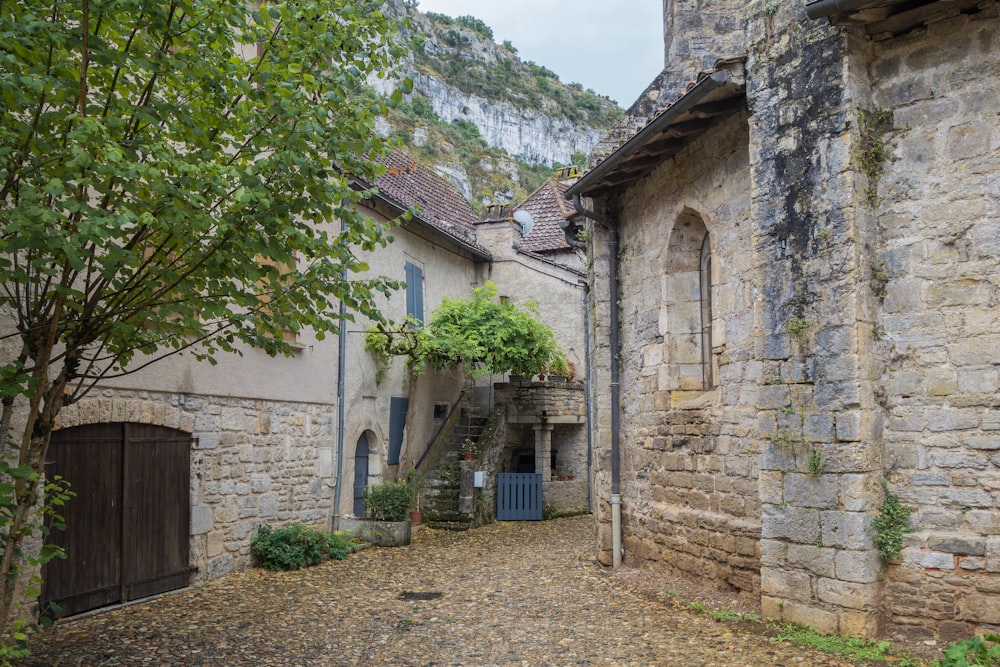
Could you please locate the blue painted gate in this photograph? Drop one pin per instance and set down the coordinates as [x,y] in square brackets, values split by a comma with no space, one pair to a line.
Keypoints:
[519,496]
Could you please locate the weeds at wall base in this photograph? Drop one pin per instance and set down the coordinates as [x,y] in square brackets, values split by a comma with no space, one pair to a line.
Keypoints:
[852,648]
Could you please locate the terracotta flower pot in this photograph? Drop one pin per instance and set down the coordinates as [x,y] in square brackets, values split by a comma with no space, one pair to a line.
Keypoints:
[469,456]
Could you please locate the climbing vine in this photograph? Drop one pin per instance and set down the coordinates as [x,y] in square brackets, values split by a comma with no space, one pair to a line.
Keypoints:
[485,335]
[872,152]
[892,522]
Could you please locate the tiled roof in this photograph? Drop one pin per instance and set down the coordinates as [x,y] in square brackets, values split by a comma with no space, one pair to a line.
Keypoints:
[440,205]
[548,206]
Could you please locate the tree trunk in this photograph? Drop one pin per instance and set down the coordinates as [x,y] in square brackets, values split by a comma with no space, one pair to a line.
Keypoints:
[43,407]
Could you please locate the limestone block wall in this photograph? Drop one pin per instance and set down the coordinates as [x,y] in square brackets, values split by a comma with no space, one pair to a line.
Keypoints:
[255,462]
[689,471]
[856,348]
[938,214]
[819,427]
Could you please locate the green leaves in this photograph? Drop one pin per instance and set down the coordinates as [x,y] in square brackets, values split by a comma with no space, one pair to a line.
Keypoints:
[888,528]
[151,183]
[214,138]
[485,335]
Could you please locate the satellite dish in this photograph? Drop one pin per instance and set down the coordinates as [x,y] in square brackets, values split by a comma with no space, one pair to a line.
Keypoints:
[525,220]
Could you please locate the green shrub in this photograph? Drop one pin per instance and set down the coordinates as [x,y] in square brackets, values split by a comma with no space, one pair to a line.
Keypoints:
[976,652]
[388,502]
[889,527]
[297,545]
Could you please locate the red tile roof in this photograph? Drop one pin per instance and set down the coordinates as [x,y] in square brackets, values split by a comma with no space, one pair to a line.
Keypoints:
[548,206]
[440,204]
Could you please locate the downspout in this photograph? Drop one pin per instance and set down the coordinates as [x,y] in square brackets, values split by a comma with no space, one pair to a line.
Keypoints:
[341,363]
[589,403]
[616,497]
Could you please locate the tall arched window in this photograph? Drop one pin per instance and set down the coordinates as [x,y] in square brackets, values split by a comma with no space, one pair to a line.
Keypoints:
[705,288]
[688,301]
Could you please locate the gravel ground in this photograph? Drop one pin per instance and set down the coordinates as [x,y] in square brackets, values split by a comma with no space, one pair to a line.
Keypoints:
[526,593]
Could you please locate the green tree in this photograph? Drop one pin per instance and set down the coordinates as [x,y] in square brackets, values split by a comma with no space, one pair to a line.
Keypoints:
[174,175]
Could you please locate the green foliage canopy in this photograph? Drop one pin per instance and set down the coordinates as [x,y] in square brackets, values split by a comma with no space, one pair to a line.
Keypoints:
[485,335]
[157,181]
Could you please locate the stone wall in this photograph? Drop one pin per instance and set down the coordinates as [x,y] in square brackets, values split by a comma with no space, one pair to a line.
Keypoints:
[855,342]
[255,462]
[938,214]
[818,424]
[548,417]
[689,473]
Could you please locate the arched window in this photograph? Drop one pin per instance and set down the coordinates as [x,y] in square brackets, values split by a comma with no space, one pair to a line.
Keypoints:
[688,301]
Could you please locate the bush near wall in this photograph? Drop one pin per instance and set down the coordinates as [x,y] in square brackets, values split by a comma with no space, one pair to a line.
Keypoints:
[297,545]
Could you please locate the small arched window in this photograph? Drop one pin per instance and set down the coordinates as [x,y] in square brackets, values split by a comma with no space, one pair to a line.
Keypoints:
[688,305]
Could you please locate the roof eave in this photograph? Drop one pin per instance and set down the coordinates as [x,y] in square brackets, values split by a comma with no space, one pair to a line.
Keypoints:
[821,8]
[718,79]
[477,252]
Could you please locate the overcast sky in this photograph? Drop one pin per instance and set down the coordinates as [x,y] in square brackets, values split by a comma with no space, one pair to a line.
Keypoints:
[614,47]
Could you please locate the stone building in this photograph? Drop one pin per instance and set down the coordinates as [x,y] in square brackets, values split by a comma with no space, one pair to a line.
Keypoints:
[176,465]
[795,244]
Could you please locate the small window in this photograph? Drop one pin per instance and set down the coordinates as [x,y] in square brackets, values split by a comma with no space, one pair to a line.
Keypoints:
[441,410]
[688,305]
[397,424]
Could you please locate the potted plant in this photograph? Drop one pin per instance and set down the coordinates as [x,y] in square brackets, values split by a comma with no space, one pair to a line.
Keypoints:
[386,509]
[560,370]
[415,479]
[469,450]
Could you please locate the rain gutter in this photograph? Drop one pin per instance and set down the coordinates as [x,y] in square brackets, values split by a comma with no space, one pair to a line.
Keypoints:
[822,8]
[341,373]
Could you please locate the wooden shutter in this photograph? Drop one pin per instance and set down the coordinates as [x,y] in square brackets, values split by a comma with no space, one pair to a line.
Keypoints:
[414,291]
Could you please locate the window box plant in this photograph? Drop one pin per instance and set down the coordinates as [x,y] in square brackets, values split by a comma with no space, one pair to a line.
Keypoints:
[386,508]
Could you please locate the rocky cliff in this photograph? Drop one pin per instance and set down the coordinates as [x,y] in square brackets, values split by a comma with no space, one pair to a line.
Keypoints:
[527,134]
[493,124]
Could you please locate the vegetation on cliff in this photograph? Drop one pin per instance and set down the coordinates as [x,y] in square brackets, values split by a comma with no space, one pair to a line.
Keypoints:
[461,54]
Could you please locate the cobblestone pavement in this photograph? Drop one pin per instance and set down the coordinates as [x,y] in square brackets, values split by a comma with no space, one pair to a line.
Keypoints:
[527,593]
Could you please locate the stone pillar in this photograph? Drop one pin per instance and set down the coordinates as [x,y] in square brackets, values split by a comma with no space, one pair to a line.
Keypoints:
[467,486]
[543,450]
[819,424]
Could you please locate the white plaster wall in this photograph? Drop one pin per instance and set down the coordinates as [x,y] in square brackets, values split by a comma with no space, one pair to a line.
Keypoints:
[559,294]
[449,272]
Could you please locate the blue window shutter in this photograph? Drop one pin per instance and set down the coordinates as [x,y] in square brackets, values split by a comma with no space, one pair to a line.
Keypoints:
[408,269]
[397,421]
[414,291]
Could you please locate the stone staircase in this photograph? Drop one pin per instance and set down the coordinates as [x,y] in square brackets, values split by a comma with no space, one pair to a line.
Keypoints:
[442,480]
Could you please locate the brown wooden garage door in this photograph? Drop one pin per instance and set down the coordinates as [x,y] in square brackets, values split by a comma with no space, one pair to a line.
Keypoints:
[127,528]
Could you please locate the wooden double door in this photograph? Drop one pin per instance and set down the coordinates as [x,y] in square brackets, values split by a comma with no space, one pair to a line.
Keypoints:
[127,528]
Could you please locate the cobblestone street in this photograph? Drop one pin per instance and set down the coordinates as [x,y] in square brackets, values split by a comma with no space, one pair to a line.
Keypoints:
[525,593]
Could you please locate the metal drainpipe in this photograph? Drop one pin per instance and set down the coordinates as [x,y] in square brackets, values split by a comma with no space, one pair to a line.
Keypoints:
[589,405]
[616,497]
[341,361]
